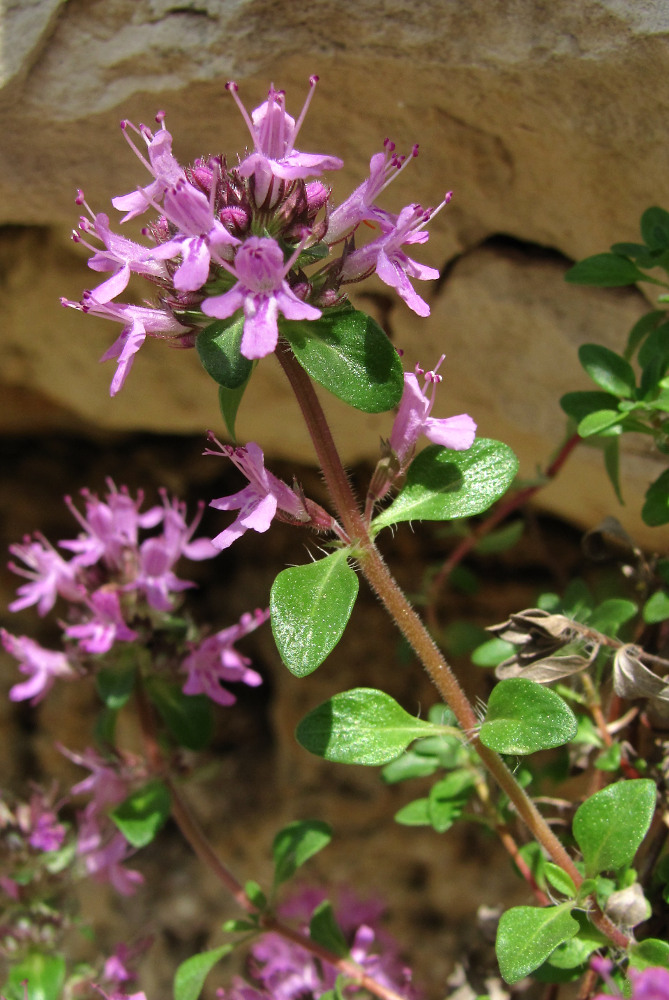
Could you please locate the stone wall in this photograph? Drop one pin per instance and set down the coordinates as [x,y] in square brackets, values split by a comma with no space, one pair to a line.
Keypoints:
[545,119]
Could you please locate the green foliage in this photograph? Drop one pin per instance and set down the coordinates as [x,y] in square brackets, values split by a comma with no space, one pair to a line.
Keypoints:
[115,685]
[442,484]
[348,353]
[527,935]
[324,929]
[189,718]
[141,815]
[610,825]
[310,606]
[362,726]
[44,975]
[649,953]
[523,717]
[295,844]
[229,401]
[218,347]
[191,974]
[605,270]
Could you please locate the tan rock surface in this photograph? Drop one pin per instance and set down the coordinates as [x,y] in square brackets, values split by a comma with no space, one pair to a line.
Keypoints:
[543,118]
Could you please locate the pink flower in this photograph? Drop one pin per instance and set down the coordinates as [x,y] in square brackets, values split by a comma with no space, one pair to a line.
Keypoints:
[262,292]
[42,666]
[49,575]
[260,501]
[104,852]
[413,419]
[274,134]
[215,659]
[110,527]
[107,626]
[386,256]
[161,163]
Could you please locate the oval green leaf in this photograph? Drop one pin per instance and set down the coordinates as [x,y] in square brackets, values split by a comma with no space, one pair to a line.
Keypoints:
[309,608]
[348,353]
[524,717]
[141,815]
[655,228]
[362,726]
[606,270]
[527,935]
[191,974]
[655,510]
[442,484]
[295,844]
[218,347]
[189,717]
[580,405]
[43,976]
[611,372]
[610,825]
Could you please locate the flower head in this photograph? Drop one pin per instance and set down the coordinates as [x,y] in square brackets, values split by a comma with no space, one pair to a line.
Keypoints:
[215,659]
[41,665]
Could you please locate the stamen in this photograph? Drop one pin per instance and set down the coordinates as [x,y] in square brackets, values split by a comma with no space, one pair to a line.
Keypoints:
[232,88]
[313,80]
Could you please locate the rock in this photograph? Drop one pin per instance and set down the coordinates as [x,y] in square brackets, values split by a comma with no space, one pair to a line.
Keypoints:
[530,113]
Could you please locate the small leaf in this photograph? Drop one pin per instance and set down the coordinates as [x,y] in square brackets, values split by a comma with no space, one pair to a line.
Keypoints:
[442,484]
[255,894]
[656,608]
[609,616]
[43,974]
[492,652]
[115,685]
[448,798]
[606,270]
[348,353]
[655,228]
[309,607]
[527,935]
[229,401]
[524,717]
[559,879]
[612,465]
[609,759]
[191,974]
[655,510]
[409,765]
[362,726]
[189,718]
[579,405]
[611,372]
[239,926]
[218,347]
[141,815]
[601,421]
[416,813]
[641,329]
[610,825]
[502,539]
[649,954]
[324,929]
[295,844]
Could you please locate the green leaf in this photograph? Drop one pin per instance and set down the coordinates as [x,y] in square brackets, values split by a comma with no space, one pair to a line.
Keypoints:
[239,926]
[191,974]
[492,652]
[229,401]
[559,879]
[606,270]
[601,421]
[612,465]
[527,935]
[442,484]
[141,815]
[115,685]
[656,608]
[309,608]
[448,798]
[655,228]
[610,825]
[189,718]
[362,726]
[44,974]
[579,405]
[295,844]
[409,765]
[655,510]
[348,353]
[649,954]
[218,346]
[524,717]
[416,813]
[502,539]
[611,615]
[611,372]
[324,929]
[641,329]
[255,894]
[609,759]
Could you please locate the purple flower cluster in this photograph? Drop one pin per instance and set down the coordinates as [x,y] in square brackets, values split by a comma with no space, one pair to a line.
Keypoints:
[121,587]
[279,969]
[240,240]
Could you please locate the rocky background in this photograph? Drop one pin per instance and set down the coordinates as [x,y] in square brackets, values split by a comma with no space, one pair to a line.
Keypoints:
[548,122]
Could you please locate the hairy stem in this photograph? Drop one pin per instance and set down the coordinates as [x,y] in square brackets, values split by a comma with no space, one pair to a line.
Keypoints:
[412,628]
